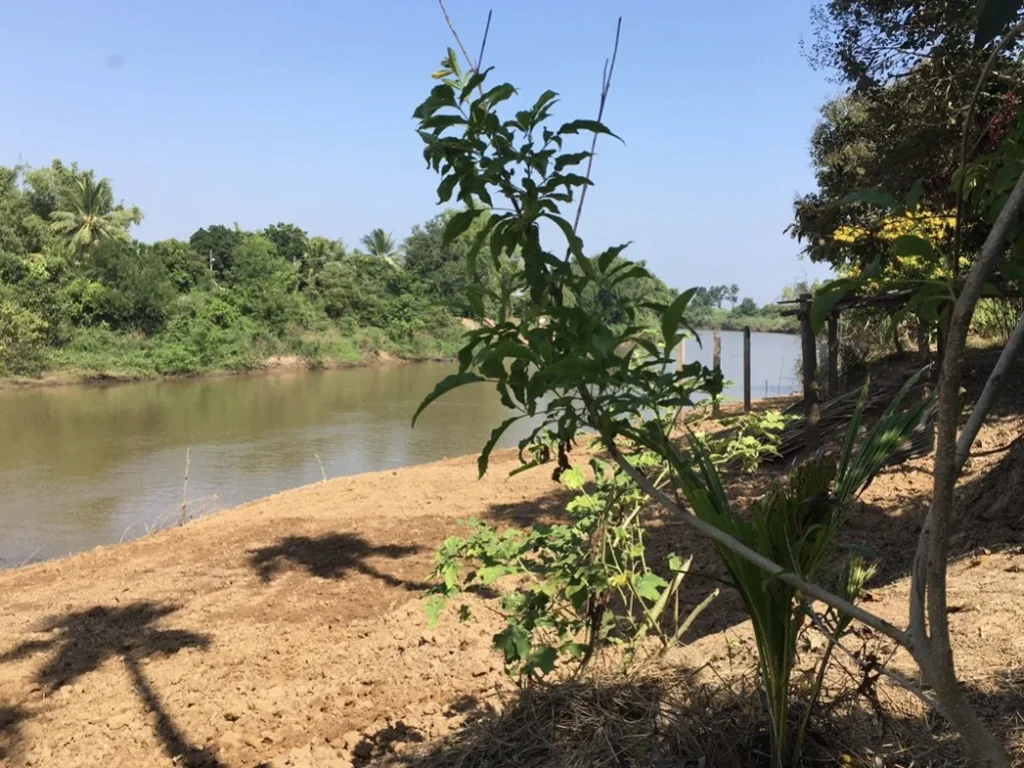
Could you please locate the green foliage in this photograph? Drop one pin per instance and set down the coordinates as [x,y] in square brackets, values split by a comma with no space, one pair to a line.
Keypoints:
[796,526]
[22,349]
[746,440]
[573,586]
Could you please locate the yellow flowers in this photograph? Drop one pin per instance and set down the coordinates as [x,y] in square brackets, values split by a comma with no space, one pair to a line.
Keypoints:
[931,226]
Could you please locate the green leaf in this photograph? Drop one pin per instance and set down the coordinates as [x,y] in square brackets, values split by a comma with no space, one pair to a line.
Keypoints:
[572,478]
[826,297]
[474,81]
[993,17]
[570,158]
[459,223]
[496,433]
[673,316]
[914,197]
[439,122]
[490,574]
[872,196]
[649,586]
[543,658]
[433,607]
[912,245]
[499,93]
[606,259]
[575,126]
[446,188]
[575,243]
[447,384]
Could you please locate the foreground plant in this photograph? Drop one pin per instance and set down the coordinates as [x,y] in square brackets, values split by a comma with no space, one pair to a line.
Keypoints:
[568,368]
[573,586]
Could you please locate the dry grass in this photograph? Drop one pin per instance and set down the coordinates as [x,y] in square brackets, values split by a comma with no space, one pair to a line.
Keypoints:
[678,718]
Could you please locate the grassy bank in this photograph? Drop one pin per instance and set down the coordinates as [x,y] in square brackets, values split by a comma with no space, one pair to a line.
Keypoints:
[97,354]
[765,322]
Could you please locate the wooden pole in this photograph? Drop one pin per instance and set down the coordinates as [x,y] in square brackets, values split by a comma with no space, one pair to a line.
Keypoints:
[833,354]
[810,363]
[746,369]
[681,355]
[716,409]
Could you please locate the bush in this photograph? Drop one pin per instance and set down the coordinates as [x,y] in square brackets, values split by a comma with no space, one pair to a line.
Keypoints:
[22,340]
[206,333]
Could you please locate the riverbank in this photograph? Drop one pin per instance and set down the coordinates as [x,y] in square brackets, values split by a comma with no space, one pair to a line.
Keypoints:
[105,368]
[290,631]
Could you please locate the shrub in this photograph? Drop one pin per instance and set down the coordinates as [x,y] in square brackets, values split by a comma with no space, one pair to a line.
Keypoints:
[22,340]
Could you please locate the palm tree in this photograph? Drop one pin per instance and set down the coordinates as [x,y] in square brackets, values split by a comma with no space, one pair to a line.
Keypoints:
[92,217]
[382,244]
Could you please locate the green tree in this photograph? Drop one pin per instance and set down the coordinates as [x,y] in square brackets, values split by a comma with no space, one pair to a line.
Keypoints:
[216,244]
[263,283]
[438,269]
[89,217]
[380,244]
[747,307]
[290,240]
[186,268]
[136,286]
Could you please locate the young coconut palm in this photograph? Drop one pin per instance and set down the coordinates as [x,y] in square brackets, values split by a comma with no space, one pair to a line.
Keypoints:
[796,526]
[381,244]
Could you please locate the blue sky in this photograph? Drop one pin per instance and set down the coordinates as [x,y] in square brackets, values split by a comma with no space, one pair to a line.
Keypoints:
[260,111]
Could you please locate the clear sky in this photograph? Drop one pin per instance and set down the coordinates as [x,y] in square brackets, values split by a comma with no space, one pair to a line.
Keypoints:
[259,111]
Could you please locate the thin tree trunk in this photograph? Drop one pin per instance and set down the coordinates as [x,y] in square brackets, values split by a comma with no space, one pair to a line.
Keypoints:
[928,592]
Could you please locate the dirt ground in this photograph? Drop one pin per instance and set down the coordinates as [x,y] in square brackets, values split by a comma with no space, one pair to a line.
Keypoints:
[290,631]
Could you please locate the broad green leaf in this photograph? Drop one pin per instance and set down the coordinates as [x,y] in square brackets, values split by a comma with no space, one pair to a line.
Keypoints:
[499,93]
[447,384]
[438,123]
[993,17]
[673,316]
[826,297]
[914,197]
[472,83]
[543,658]
[446,188]
[575,126]
[459,223]
[572,478]
[649,586]
[606,259]
[570,158]
[575,244]
[872,196]
[491,573]
[912,245]
[496,433]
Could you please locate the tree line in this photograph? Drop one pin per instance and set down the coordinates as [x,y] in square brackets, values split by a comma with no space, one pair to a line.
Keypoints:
[79,293]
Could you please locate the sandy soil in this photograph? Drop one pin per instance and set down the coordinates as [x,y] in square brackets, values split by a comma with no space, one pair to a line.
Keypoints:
[290,631]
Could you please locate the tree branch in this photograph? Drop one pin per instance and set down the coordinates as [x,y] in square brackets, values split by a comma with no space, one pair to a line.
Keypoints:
[994,384]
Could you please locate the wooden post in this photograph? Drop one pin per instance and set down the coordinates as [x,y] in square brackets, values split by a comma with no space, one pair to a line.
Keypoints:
[716,408]
[833,354]
[681,355]
[746,369]
[810,360]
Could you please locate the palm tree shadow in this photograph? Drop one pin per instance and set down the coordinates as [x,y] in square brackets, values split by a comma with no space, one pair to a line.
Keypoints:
[331,556]
[11,717]
[83,641]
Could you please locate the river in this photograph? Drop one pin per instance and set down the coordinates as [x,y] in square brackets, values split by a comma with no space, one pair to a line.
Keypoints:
[87,465]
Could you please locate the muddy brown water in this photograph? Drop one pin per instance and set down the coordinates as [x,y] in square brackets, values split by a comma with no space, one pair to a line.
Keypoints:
[87,465]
